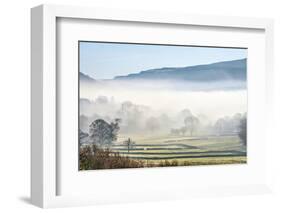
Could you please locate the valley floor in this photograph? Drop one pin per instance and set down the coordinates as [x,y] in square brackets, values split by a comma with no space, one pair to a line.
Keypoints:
[183,151]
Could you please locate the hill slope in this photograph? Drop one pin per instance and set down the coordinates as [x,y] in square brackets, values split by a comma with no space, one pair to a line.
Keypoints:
[221,71]
[85,78]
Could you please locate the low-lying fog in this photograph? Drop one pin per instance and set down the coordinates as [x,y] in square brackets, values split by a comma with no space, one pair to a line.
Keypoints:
[165,104]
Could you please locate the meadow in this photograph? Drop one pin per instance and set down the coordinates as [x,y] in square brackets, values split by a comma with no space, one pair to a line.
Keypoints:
[183,150]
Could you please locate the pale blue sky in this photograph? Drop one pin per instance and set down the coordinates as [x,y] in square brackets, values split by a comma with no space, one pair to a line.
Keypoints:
[107,60]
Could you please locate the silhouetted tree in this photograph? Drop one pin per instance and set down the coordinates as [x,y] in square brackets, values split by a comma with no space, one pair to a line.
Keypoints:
[175,131]
[243,130]
[102,133]
[219,126]
[183,130]
[191,123]
[129,144]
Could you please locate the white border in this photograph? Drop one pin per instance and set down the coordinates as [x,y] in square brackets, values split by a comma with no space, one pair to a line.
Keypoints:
[71,182]
[43,151]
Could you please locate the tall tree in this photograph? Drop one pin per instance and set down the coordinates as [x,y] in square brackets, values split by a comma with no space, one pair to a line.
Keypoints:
[219,126]
[102,133]
[243,130]
[191,123]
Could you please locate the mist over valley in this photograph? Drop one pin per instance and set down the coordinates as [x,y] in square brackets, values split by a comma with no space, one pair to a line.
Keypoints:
[169,116]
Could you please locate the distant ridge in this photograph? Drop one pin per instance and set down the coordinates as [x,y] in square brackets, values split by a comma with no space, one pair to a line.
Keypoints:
[220,71]
[85,78]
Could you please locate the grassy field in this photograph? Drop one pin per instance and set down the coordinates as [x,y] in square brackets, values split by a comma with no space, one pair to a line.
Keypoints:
[184,150]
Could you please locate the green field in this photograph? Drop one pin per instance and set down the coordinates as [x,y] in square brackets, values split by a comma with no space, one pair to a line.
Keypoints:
[183,150]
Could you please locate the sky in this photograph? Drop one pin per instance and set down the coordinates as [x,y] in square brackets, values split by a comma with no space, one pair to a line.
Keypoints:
[107,60]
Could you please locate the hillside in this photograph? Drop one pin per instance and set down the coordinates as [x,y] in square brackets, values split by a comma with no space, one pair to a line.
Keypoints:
[85,78]
[221,71]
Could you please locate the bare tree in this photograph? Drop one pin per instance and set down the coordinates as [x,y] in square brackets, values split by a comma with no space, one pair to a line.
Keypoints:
[191,123]
[129,144]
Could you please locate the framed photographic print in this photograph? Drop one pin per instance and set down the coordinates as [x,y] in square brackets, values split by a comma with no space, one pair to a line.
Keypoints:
[130,106]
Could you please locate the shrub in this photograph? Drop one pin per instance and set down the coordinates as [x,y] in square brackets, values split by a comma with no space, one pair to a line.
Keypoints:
[167,163]
[98,158]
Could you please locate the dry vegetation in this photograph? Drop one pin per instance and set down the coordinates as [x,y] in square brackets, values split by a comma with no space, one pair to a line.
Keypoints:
[97,158]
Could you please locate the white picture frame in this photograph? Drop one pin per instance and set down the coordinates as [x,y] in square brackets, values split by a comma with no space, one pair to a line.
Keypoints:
[44,84]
